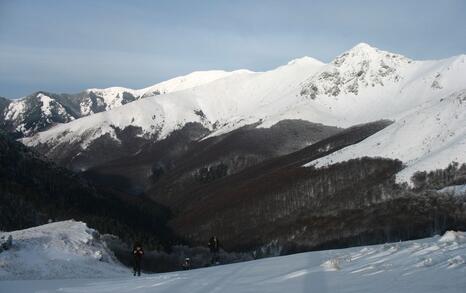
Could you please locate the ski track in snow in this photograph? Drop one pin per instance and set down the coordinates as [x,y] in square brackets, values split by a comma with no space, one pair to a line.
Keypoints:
[434,264]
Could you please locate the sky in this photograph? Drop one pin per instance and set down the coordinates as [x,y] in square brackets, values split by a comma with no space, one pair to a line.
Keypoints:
[68,45]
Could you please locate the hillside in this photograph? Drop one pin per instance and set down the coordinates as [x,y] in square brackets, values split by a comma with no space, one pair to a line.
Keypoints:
[288,208]
[33,190]
[427,137]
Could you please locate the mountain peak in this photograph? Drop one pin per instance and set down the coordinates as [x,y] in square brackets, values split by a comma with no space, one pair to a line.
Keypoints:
[363,47]
[360,51]
[304,60]
[367,52]
[361,67]
[364,53]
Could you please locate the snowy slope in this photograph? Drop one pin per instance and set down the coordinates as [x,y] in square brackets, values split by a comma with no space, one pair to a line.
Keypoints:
[428,137]
[434,264]
[59,250]
[362,85]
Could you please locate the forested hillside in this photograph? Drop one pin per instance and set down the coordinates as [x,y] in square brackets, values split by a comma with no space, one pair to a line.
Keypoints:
[34,191]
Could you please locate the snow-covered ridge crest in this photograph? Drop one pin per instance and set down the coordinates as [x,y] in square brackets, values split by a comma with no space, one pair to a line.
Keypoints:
[67,249]
[303,60]
[194,79]
[224,101]
[113,95]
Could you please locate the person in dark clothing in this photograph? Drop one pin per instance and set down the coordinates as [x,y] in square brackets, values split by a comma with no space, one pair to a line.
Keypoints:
[187,264]
[138,252]
[214,246]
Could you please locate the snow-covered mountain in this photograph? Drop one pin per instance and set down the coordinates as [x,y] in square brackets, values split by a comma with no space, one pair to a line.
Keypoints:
[41,110]
[221,104]
[66,249]
[362,85]
[435,264]
[219,152]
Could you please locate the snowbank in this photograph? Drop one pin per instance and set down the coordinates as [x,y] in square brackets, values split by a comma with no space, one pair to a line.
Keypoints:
[59,250]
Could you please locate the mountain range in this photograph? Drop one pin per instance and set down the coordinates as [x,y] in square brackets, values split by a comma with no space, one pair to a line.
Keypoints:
[42,110]
[307,155]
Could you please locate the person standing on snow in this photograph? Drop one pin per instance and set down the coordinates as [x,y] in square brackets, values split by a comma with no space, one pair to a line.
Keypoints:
[187,264]
[138,252]
[214,246]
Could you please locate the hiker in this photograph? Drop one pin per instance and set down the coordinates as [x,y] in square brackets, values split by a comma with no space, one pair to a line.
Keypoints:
[214,246]
[138,252]
[187,264]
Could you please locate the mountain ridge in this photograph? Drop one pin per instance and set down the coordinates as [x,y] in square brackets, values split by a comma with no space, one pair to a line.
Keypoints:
[33,113]
[361,85]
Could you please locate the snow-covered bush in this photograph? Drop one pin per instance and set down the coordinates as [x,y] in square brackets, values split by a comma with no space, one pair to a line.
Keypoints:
[6,242]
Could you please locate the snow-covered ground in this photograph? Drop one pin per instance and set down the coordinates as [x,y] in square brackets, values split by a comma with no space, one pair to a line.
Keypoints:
[434,264]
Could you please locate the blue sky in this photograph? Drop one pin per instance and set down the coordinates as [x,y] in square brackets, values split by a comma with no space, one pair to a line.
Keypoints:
[68,46]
